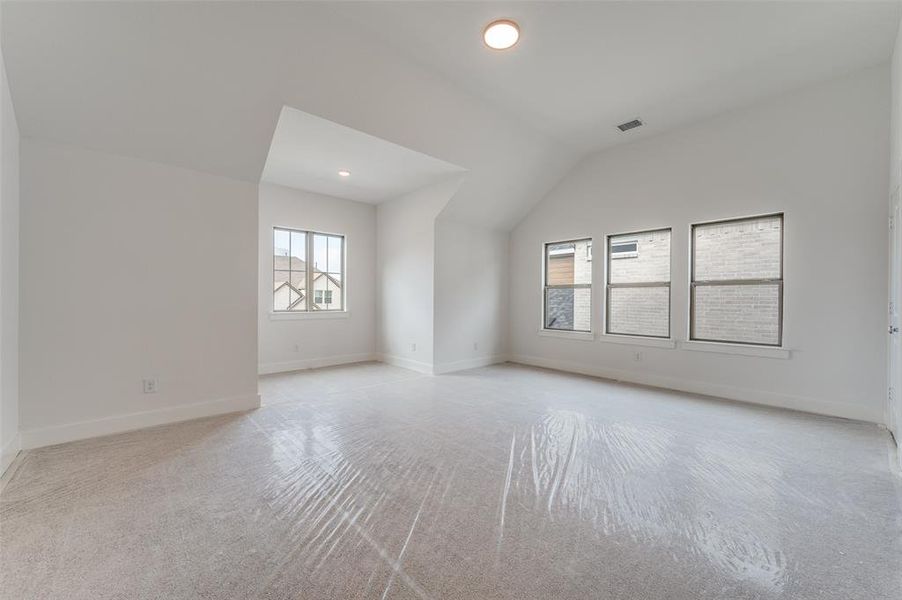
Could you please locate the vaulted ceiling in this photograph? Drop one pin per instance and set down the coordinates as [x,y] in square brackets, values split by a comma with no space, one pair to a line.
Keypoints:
[201,84]
[581,68]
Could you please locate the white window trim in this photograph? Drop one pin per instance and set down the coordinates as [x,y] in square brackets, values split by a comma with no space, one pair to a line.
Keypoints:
[637,340]
[586,336]
[309,233]
[656,342]
[304,315]
[704,345]
[737,349]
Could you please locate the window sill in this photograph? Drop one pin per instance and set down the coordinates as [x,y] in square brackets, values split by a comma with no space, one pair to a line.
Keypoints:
[740,349]
[304,316]
[638,340]
[586,336]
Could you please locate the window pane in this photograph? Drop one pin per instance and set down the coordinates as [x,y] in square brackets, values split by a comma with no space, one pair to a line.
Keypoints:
[625,247]
[321,296]
[298,250]
[747,249]
[737,313]
[294,277]
[280,277]
[334,254]
[280,242]
[647,259]
[288,289]
[281,297]
[298,282]
[320,255]
[335,295]
[568,263]
[639,311]
[568,308]
[297,301]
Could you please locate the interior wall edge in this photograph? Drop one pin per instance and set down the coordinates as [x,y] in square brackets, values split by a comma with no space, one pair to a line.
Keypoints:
[9,452]
[805,404]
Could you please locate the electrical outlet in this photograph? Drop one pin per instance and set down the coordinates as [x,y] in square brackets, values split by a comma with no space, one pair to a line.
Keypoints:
[637,356]
[475,346]
[151,386]
[413,347]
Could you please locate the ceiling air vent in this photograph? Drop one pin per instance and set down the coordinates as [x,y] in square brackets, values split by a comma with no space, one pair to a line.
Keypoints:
[630,125]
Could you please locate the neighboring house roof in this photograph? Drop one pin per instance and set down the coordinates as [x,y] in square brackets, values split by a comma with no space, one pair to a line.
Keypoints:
[286,263]
[291,288]
[293,263]
[296,265]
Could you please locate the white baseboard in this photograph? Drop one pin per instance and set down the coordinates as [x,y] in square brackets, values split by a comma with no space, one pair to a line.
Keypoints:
[314,363]
[470,363]
[429,369]
[9,452]
[407,363]
[800,403]
[70,432]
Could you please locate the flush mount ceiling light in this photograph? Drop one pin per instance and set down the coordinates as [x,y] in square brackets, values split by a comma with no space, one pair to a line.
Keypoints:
[501,34]
[344,173]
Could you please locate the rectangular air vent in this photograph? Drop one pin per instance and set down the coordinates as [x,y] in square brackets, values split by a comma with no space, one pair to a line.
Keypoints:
[630,125]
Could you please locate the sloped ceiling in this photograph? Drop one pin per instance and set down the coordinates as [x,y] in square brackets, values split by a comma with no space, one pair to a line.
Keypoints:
[201,84]
[581,68]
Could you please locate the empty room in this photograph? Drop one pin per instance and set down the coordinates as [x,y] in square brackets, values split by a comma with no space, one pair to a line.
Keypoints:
[308,300]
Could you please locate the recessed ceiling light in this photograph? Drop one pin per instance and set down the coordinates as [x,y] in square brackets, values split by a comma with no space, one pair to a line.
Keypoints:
[344,173]
[501,34]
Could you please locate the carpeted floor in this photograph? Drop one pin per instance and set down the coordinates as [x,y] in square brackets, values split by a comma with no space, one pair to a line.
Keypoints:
[369,481]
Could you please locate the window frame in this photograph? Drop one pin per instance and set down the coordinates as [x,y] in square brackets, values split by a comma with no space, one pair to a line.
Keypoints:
[609,256]
[309,270]
[546,287]
[779,282]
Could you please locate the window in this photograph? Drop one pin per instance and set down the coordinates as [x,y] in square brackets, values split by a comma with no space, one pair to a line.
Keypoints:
[625,248]
[322,297]
[638,284]
[302,285]
[737,281]
[568,286]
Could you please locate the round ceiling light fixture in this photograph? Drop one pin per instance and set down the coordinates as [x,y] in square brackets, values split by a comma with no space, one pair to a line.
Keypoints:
[344,173]
[501,34]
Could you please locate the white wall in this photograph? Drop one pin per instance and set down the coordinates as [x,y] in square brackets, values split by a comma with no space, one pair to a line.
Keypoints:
[471,295]
[896,114]
[894,410]
[319,341]
[132,269]
[9,276]
[819,155]
[405,269]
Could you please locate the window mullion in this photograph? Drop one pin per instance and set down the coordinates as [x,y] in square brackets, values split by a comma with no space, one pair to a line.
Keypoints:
[308,267]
